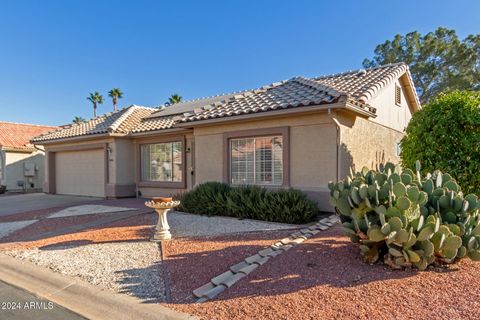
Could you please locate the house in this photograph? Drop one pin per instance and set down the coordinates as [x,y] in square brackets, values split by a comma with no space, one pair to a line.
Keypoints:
[298,133]
[21,164]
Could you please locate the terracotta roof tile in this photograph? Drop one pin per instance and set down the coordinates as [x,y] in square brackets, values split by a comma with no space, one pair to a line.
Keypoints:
[18,135]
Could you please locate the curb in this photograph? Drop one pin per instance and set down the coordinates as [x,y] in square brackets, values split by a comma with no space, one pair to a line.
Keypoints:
[242,269]
[80,297]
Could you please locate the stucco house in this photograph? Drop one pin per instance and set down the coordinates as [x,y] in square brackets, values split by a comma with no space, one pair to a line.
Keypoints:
[21,164]
[298,133]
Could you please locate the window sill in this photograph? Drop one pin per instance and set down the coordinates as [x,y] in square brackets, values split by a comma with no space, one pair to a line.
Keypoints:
[162,184]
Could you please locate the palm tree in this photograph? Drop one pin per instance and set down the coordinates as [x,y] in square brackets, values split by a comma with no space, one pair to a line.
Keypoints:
[174,98]
[78,120]
[95,98]
[115,94]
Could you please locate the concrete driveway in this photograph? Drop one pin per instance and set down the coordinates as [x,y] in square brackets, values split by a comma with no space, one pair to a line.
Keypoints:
[37,201]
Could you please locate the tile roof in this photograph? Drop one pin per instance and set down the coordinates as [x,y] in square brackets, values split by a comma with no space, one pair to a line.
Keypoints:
[121,121]
[356,87]
[17,135]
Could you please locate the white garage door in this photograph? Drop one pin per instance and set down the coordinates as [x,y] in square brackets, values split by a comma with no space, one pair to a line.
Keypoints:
[80,173]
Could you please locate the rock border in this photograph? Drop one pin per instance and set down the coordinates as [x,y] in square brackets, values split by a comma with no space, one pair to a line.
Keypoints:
[240,270]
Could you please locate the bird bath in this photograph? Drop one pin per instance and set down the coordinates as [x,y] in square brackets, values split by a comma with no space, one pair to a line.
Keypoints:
[162,230]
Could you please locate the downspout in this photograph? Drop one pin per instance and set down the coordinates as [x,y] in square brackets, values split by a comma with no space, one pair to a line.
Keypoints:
[337,125]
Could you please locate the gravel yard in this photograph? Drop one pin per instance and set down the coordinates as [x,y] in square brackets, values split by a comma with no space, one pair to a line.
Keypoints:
[129,267]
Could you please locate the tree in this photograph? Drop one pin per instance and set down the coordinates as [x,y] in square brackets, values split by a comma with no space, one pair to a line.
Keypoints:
[174,98]
[115,94]
[445,135]
[95,98]
[78,120]
[439,61]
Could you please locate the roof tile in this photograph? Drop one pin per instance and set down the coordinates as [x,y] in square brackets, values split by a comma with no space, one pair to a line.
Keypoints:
[18,135]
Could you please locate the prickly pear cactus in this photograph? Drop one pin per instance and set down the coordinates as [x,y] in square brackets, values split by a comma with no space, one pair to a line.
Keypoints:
[403,219]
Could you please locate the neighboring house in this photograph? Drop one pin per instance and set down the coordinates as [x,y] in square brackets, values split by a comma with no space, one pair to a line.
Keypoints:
[21,164]
[298,133]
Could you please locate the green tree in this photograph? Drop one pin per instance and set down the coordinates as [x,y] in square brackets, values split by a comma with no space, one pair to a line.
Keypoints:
[445,135]
[439,61]
[95,98]
[115,94]
[78,120]
[174,98]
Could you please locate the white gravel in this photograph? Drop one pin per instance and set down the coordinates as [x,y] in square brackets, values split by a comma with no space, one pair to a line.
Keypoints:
[8,227]
[133,268]
[188,225]
[88,209]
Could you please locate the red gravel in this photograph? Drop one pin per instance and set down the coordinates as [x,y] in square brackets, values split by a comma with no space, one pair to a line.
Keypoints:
[322,278]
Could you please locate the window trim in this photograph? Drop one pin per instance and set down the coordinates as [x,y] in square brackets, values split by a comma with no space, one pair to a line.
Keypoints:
[284,132]
[163,184]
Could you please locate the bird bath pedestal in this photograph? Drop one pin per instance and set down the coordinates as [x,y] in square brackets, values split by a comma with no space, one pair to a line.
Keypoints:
[162,230]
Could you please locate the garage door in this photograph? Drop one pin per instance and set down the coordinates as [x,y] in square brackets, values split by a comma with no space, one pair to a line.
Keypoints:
[80,173]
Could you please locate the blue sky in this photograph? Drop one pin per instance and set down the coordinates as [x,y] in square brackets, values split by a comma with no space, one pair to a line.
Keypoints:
[53,53]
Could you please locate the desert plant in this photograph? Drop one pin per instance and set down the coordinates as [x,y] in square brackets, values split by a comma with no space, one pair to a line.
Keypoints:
[249,202]
[403,219]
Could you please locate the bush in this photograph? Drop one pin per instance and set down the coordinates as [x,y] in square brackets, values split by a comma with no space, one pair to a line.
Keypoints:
[445,135]
[404,219]
[249,202]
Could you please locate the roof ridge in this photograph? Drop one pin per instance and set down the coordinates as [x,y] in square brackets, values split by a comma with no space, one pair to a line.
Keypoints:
[28,124]
[128,111]
[358,70]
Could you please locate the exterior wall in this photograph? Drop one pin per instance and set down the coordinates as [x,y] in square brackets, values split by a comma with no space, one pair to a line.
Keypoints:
[14,169]
[121,163]
[389,113]
[312,140]
[366,143]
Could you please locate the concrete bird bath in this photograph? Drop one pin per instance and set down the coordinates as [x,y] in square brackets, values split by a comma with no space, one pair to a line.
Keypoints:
[162,230]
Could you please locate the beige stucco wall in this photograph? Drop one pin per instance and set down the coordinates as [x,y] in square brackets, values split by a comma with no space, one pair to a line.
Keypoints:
[388,112]
[312,151]
[366,143]
[14,169]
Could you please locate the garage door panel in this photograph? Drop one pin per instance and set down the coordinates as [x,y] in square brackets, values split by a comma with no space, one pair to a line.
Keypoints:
[80,173]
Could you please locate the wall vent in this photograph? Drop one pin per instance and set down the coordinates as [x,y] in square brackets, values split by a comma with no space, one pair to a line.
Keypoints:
[398,95]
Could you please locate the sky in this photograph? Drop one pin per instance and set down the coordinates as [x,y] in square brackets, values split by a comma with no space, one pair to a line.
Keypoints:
[54,53]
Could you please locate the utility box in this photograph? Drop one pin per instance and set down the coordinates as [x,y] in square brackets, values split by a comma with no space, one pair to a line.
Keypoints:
[29,169]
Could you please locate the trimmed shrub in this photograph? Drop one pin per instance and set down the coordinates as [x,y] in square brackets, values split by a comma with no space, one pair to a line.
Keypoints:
[445,135]
[249,202]
[404,219]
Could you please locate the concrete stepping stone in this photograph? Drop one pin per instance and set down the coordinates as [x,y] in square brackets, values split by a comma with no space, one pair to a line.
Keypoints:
[247,270]
[265,252]
[276,253]
[200,292]
[233,279]
[239,266]
[263,260]
[286,247]
[222,277]
[212,293]
[253,258]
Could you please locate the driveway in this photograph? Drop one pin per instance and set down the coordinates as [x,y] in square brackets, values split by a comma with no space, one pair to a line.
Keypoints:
[38,201]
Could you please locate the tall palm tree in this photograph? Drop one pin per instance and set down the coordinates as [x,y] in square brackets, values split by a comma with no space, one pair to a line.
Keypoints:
[115,94]
[78,120]
[95,98]
[174,98]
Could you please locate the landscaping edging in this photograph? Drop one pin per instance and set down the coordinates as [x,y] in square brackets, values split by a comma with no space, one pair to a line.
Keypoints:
[240,270]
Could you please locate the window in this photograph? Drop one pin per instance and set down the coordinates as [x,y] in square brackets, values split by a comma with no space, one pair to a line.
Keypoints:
[398,95]
[398,149]
[256,160]
[162,162]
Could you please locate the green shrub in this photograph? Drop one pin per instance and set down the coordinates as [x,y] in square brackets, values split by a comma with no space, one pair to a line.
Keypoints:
[445,135]
[404,219]
[249,202]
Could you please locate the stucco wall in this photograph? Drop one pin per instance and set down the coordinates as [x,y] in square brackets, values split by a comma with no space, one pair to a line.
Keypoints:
[388,112]
[312,151]
[14,169]
[366,143]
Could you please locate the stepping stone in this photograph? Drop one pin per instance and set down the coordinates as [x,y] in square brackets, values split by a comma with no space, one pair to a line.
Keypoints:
[298,240]
[286,247]
[200,292]
[249,269]
[253,258]
[222,277]
[323,228]
[263,260]
[305,231]
[265,252]
[214,292]
[314,232]
[296,234]
[277,246]
[275,253]
[286,240]
[233,279]
[314,227]
[239,266]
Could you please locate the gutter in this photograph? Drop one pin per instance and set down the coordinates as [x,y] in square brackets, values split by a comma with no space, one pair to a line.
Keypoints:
[339,139]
